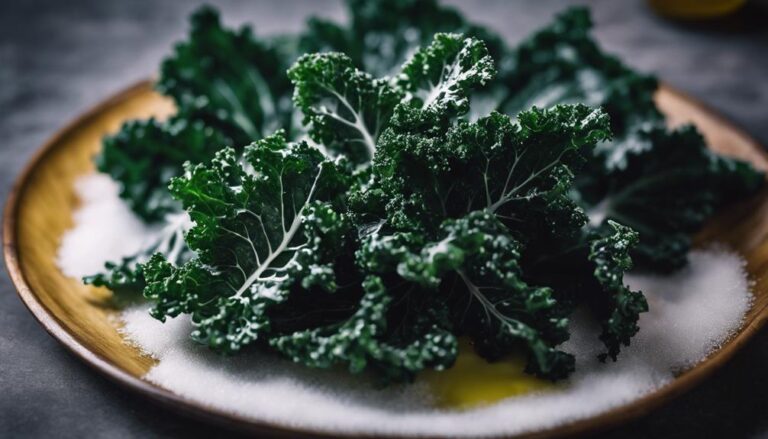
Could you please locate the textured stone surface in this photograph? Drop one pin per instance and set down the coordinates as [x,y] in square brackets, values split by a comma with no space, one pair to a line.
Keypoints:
[58,58]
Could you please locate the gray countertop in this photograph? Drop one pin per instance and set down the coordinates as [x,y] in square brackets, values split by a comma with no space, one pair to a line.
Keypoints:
[57,58]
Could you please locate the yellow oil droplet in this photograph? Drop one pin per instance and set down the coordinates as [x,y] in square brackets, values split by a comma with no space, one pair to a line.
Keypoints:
[474,382]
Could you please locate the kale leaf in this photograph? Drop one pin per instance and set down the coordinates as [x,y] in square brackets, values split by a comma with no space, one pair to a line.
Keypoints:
[229,89]
[518,170]
[644,175]
[440,76]
[474,269]
[666,193]
[561,63]
[444,179]
[365,340]
[262,226]
[619,308]
[230,80]
[346,109]
[384,34]
[144,155]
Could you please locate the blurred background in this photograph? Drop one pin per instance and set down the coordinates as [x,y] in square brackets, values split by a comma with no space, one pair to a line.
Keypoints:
[58,58]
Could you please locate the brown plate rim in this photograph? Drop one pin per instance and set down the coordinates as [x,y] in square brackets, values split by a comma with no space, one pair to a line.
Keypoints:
[52,325]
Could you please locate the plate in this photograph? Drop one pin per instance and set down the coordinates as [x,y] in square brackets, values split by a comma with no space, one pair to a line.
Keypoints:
[40,207]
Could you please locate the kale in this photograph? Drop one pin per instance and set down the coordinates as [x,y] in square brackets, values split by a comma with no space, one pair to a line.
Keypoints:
[644,176]
[440,76]
[427,171]
[365,341]
[144,155]
[473,266]
[665,193]
[383,34]
[229,89]
[519,171]
[377,214]
[263,224]
[344,108]
[590,267]
[229,80]
[561,63]
[620,307]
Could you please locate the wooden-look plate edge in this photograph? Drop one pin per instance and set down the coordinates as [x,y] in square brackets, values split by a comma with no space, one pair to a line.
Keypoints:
[53,326]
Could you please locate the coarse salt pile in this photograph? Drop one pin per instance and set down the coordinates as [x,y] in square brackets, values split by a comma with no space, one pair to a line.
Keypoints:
[692,312]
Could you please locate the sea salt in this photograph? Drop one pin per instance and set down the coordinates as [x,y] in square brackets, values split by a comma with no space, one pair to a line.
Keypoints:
[692,313]
[105,229]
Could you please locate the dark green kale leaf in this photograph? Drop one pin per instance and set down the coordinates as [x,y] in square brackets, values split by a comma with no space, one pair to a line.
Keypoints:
[229,89]
[345,109]
[561,63]
[588,269]
[666,193]
[144,155]
[229,80]
[366,340]
[123,278]
[427,169]
[464,201]
[474,268]
[263,226]
[383,34]
[619,308]
[440,76]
